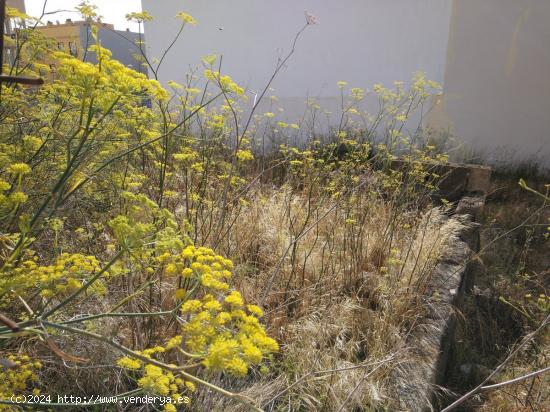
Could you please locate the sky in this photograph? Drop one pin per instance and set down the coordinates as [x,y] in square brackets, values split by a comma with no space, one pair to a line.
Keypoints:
[113,11]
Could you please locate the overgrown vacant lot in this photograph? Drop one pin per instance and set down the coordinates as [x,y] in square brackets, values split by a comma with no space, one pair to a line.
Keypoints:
[152,245]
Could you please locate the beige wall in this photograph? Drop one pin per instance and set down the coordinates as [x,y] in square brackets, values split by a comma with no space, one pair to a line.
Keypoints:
[63,34]
[497,78]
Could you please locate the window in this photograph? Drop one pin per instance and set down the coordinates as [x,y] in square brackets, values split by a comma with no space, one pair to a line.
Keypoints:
[73,49]
[60,45]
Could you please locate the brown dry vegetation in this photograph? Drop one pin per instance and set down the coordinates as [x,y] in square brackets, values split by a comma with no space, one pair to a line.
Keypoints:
[339,296]
[509,300]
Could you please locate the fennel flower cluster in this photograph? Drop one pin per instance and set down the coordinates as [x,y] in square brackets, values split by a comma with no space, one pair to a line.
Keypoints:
[225,333]
[105,81]
[225,82]
[17,377]
[201,264]
[218,329]
[155,380]
[67,274]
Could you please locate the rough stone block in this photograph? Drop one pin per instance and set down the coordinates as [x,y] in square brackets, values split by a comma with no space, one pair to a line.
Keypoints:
[471,205]
[479,179]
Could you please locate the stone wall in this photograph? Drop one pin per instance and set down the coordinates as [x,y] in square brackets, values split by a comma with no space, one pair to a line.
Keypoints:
[430,341]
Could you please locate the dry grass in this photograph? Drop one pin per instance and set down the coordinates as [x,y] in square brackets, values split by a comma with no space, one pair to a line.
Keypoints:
[340,297]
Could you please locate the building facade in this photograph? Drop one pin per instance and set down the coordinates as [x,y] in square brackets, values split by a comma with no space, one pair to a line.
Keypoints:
[66,36]
[75,37]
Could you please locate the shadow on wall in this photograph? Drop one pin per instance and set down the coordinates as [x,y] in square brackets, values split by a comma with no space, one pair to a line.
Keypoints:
[497,80]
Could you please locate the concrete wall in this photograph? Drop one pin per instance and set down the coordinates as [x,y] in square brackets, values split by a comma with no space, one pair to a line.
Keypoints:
[360,41]
[123,45]
[492,56]
[497,79]
[76,38]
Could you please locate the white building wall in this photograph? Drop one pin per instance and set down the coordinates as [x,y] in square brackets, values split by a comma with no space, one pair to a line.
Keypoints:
[360,41]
